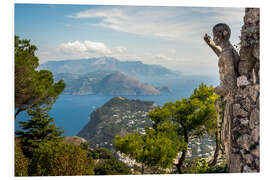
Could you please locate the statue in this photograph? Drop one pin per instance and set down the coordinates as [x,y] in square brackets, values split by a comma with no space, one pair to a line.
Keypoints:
[228,58]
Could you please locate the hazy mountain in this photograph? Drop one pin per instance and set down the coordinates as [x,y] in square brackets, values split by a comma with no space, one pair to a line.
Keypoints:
[133,68]
[103,82]
[119,84]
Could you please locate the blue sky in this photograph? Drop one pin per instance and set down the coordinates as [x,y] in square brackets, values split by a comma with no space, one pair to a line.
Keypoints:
[168,36]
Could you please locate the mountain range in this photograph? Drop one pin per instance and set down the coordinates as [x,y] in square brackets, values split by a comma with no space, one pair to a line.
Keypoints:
[135,69]
[106,83]
[109,76]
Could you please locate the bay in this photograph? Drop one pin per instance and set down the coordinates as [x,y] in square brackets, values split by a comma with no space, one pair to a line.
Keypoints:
[72,112]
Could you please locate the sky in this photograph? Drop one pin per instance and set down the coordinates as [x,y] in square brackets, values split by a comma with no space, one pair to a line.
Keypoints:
[167,36]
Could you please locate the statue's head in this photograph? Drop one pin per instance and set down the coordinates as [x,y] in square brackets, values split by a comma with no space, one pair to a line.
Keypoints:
[221,32]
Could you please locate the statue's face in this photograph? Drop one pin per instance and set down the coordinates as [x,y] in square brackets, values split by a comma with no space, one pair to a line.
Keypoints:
[217,37]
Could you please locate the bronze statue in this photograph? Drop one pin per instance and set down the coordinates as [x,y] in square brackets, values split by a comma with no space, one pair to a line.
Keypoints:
[228,58]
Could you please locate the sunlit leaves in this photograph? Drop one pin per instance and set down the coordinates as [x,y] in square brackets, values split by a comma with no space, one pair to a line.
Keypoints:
[158,147]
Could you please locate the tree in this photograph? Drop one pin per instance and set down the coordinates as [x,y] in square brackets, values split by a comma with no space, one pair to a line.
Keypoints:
[32,88]
[155,150]
[193,116]
[57,158]
[37,130]
[100,153]
[206,95]
[111,167]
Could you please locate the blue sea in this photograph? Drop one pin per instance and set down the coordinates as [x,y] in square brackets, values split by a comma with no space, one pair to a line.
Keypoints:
[72,112]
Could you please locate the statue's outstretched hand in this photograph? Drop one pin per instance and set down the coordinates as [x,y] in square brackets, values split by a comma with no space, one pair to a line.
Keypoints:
[207,38]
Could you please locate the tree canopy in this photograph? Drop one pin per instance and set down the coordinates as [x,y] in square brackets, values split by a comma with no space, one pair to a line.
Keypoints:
[155,150]
[193,116]
[33,88]
[111,167]
[174,124]
[37,130]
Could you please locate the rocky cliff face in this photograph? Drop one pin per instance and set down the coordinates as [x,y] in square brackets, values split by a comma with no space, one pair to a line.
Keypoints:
[239,110]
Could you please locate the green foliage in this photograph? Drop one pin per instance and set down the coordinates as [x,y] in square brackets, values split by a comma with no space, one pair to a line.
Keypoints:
[111,167]
[174,124]
[37,130]
[193,117]
[32,88]
[56,158]
[100,153]
[155,149]
[21,162]
[106,162]
[203,167]
[200,165]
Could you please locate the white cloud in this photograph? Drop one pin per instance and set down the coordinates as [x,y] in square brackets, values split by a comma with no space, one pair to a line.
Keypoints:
[120,49]
[84,48]
[73,47]
[97,47]
[172,51]
[169,23]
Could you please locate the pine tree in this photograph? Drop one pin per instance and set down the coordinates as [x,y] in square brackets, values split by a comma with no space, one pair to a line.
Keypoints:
[194,116]
[33,88]
[155,150]
[38,129]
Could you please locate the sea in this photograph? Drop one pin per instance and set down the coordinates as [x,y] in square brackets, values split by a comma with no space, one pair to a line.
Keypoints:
[72,112]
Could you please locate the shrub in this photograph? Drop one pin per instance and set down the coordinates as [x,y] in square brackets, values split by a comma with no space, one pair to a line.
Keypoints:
[54,158]
[101,153]
[111,167]
[203,167]
[21,162]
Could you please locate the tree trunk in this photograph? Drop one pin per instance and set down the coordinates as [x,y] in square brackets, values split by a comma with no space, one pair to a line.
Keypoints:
[183,156]
[214,161]
[181,161]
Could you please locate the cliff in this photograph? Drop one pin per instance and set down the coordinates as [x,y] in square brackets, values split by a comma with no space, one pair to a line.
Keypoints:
[118,116]
[239,110]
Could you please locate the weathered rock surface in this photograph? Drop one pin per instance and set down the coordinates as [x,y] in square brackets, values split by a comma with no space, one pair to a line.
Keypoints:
[240,126]
[242,81]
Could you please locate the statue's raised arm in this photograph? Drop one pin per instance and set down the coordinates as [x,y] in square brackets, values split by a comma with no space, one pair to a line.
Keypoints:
[211,44]
[228,58]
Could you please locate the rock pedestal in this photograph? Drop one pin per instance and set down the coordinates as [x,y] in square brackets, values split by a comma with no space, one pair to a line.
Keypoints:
[240,121]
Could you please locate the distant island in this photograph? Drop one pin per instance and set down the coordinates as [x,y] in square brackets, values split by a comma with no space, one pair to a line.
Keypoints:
[109,76]
[136,69]
[119,116]
[106,83]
